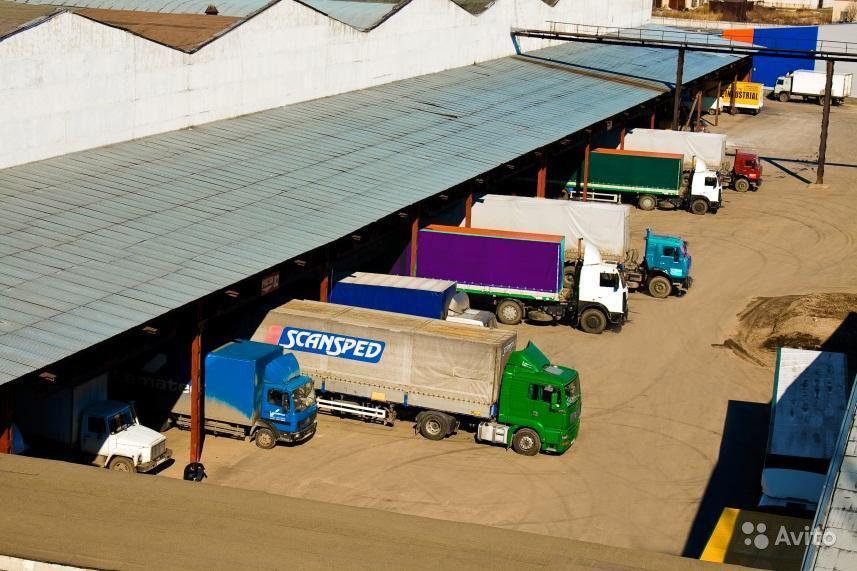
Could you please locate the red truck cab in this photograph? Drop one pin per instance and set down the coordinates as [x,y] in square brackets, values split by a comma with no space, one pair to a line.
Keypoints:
[746,171]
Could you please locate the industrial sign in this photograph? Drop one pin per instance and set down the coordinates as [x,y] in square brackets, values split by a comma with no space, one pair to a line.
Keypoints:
[331,344]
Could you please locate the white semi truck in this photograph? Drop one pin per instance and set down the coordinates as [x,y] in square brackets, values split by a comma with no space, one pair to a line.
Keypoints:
[80,420]
[808,84]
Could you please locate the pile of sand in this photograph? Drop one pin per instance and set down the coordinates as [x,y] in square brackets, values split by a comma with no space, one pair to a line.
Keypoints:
[820,321]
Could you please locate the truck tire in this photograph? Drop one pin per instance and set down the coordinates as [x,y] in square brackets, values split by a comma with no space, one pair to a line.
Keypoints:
[122,464]
[265,438]
[742,184]
[593,321]
[526,442]
[647,202]
[659,287]
[510,312]
[783,97]
[433,425]
[699,206]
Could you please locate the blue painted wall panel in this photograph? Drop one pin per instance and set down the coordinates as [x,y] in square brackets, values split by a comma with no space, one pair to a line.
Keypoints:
[767,69]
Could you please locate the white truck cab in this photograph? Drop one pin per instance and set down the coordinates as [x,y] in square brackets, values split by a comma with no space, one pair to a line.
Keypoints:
[602,288]
[111,433]
[460,312]
[706,185]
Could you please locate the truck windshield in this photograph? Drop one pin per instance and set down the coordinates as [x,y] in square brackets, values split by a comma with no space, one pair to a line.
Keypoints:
[304,397]
[121,420]
[572,391]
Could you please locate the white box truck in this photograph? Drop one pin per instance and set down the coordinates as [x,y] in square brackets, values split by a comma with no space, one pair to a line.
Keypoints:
[378,364]
[80,420]
[808,84]
[810,394]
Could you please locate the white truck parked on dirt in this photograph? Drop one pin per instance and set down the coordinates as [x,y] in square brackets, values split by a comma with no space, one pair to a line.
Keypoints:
[81,421]
[809,84]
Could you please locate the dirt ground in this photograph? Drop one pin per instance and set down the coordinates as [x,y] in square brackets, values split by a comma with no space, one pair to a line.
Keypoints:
[673,420]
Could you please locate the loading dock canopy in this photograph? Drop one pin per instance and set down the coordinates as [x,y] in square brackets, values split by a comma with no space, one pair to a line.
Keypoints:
[95,243]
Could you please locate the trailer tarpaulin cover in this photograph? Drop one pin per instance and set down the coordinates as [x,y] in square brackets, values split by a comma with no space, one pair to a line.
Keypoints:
[385,356]
[710,148]
[606,226]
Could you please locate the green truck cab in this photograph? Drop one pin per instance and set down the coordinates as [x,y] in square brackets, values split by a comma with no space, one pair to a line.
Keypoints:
[540,402]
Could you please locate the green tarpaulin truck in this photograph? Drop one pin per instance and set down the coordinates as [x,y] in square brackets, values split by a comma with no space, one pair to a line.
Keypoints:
[650,179]
[378,365]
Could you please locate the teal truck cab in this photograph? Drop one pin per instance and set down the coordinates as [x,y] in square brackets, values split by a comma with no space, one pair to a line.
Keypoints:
[539,402]
[664,268]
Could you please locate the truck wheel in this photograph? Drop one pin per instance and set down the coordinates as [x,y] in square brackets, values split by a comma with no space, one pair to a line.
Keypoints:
[526,442]
[742,185]
[647,202]
[660,287]
[433,425]
[510,312]
[783,97]
[265,438]
[593,321]
[121,464]
[699,206]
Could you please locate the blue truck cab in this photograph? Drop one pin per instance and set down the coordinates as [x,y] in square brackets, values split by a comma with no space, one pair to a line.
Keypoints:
[666,264]
[253,390]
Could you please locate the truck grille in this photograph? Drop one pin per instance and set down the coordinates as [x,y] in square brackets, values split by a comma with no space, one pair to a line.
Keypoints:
[306,422]
[159,449]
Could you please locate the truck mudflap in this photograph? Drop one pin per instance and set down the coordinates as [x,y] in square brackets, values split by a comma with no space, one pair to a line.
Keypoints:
[152,464]
[683,283]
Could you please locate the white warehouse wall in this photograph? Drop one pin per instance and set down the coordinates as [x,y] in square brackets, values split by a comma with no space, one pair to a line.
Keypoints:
[71,83]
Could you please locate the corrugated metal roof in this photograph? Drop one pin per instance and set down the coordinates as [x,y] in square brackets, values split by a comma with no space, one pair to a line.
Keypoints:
[836,518]
[14,15]
[98,242]
[360,14]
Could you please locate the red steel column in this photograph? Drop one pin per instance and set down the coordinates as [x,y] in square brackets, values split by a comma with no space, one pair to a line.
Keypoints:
[468,209]
[652,121]
[324,285]
[6,430]
[586,169]
[719,93]
[622,137]
[733,95]
[825,123]
[542,177]
[698,109]
[415,233]
[196,395]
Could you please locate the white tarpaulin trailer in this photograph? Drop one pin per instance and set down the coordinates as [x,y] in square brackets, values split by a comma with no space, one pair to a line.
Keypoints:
[811,391]
[390,357]
[606,226]
[710,148]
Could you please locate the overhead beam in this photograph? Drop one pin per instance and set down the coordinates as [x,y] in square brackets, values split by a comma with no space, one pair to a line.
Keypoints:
[634,37]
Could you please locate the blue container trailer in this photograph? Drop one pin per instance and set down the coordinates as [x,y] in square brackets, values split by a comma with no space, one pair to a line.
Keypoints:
[400,294]
[253,390]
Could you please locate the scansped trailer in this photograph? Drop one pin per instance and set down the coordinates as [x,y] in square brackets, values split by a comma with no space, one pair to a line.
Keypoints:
[377,364]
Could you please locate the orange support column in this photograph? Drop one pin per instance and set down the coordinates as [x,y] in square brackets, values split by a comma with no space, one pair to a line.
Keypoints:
[468,209]
[622,137]
[542,177]
[586,170]
[652,121]
[6,429]
[197,392]
[415,234]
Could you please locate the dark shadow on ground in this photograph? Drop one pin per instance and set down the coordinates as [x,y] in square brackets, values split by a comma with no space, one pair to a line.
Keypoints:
[736,479]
